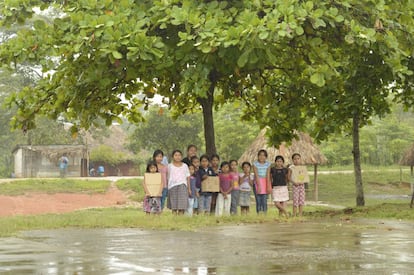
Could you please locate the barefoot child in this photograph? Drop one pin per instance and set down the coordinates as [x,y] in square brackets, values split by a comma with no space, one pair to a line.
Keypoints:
[298,176]
[260,172]
[178,184]
[226,185]
[278,176]
[245,183]
[204,200]
[158,157]
[194,194]
[235,193]
[152,204]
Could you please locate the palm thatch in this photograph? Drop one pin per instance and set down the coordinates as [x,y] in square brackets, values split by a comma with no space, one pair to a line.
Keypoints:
[408,157]
[310,153]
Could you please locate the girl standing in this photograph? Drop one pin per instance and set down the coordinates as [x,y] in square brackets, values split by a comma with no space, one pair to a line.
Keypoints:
[226,185]
[215,162]
[245,182]
[278,176]
[235,193]
[194,193]
[298,184]
[152,204]
[260,167]
[204,200]
[158,157]
[178,184]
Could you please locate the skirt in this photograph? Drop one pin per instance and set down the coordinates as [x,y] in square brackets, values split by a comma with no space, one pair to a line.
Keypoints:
[178,197]
[244,198]
[152,205]
[280,193]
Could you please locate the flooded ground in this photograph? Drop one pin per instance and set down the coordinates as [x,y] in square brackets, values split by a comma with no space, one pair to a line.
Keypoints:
[292,248]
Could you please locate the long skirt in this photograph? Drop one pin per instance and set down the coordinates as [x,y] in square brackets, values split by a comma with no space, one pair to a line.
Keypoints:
[178,197]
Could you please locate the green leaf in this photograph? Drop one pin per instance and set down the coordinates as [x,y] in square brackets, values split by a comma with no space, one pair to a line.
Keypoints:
[243,58]
[318,79]
[117,55]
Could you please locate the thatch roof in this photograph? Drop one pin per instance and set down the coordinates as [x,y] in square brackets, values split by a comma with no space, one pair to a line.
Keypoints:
[408,157]
[309,152]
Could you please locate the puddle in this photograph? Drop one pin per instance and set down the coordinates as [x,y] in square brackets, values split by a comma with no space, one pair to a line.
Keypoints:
[295,248]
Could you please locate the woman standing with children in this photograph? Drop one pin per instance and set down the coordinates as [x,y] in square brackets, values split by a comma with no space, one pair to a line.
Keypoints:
[179,188]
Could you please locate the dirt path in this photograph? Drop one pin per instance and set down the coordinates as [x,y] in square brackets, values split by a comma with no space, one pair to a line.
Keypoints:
[37,203]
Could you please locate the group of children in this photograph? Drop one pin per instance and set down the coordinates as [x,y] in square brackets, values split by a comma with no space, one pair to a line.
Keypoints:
[182,184]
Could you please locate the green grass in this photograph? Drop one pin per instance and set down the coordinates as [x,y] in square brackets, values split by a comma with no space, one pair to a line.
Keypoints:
[339,188]
[20,187]
[131,218]
[135,186]
[391,210]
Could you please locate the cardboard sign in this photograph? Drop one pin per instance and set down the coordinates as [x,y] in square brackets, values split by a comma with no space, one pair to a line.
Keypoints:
[300,174]
[153,182]
[211,184]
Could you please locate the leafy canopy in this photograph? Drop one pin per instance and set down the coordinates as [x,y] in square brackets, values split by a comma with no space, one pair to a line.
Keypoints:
[287,60]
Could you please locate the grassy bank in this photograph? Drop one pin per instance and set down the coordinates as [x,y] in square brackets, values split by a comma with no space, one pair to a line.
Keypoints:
[130,218]
[20,187]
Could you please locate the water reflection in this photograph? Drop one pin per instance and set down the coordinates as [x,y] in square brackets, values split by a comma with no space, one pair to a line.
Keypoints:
[246,249]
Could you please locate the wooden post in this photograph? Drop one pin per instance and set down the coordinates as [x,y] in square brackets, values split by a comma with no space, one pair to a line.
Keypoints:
[315,182]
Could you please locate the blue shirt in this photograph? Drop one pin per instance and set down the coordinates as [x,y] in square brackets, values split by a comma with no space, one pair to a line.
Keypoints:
[261,168]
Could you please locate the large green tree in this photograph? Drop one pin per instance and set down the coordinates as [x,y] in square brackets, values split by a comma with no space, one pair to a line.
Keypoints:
[288,60]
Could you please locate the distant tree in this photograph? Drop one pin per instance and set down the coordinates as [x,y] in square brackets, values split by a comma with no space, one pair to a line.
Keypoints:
[234,135]
[162,131]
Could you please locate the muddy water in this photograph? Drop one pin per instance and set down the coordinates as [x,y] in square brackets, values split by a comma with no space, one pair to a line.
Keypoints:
[312,248]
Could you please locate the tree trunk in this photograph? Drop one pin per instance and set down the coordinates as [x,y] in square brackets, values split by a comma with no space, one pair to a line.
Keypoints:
[207,105]
[360,201]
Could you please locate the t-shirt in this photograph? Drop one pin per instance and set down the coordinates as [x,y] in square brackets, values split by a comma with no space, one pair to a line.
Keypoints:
[261,168]
[278,176]
[235,179]
[226,181]
[245,185]
[177,175]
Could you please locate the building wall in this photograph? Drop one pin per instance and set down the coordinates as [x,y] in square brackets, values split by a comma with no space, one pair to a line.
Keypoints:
[18,163]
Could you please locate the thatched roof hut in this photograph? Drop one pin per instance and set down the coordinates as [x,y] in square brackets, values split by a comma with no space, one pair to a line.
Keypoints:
[310,153]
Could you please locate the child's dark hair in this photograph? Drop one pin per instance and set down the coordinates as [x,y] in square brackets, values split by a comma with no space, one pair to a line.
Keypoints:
[176,151]
[280,157]
[224,163]
[191,146]
[233,160]
[246,163]
[193,158]
[295,154]
[151,163]
[215,156]
[262,151]
[156,153]
[204,157]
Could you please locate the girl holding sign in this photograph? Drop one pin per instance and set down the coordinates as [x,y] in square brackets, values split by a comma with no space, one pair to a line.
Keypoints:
[152,200]
[298,176]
